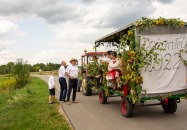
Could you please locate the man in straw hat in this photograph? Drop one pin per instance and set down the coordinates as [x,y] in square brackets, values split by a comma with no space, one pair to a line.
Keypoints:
[72,72]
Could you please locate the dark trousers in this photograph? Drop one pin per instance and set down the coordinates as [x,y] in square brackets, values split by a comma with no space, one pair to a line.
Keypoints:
[72,85]
[63,88]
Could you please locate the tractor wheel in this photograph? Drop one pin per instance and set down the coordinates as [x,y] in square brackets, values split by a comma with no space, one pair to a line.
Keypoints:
[102,97]
[86,88]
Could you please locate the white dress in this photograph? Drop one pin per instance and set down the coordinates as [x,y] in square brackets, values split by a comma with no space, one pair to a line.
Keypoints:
[114,69]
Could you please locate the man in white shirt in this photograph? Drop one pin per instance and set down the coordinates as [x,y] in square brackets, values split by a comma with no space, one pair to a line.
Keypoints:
[72,72]
[51,85]
[62,81]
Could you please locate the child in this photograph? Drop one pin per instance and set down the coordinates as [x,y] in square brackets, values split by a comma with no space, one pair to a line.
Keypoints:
[51,85]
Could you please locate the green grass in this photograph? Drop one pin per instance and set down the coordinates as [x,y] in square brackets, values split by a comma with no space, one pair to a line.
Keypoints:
[28,109]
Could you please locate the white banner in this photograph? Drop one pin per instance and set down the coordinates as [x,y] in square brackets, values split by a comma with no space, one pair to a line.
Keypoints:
[171,74]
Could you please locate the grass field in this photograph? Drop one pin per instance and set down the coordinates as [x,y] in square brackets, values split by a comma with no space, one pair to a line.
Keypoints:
[28,109]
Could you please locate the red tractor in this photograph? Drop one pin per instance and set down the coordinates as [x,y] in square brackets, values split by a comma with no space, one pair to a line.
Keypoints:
[86,81]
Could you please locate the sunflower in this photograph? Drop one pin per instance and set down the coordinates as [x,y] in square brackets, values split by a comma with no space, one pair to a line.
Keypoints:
[132,53]
[139,79]
[130,33]
[181,24]
[159,21]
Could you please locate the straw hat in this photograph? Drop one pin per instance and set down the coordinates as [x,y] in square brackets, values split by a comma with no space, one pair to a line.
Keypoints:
[72,59]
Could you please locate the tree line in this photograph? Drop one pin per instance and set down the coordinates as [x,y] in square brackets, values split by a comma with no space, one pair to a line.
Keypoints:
[9,67]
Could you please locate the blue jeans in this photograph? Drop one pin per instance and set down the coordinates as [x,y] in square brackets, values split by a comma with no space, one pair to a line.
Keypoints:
[63,89]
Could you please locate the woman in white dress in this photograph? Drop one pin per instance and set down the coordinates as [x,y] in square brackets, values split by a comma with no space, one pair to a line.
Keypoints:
[114,69]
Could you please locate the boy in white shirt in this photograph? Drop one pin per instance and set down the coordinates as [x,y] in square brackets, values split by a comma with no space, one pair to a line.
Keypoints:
[51,85]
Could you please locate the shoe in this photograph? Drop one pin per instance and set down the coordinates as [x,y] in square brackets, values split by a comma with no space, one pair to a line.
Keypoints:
[68,103]
[64,100]
[75,102]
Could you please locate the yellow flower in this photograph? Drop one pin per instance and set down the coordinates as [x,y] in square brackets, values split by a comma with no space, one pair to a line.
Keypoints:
[130,33]
[128,67]
[181,24]
[159,21]
[139,79]
[128,77]
[132,53]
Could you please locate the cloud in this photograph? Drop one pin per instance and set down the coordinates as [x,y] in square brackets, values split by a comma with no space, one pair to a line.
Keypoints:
[12,7]
[88,1]
[6,56]
[60,12]
[166,1]
[1,49]
[122,13]
[7,27]
[8,30]
[174,10]
[7,42]
[53,11]
[74,25]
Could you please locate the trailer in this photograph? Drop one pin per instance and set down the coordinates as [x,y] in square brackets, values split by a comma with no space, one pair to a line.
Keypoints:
[163,77]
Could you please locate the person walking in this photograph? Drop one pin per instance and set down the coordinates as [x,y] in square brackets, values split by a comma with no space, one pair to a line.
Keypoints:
[72,72]
[62,81]
[51,85]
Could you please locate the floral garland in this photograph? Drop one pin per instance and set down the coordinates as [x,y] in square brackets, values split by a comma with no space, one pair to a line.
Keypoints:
[137,57]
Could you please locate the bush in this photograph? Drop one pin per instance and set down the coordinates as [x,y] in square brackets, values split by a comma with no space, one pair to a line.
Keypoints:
[21,73]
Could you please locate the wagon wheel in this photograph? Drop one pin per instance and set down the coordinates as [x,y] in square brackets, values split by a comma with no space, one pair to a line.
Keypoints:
[102,97]
[169,105]
[126,108]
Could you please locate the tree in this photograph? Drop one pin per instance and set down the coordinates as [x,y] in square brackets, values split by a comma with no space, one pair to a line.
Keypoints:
[3,69]
[21,73]
[46,68]
[37,68]
[10,66]
[31,68]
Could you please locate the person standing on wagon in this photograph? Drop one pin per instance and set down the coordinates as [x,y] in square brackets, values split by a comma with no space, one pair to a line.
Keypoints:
[62,81]
[114,70]
[72,72]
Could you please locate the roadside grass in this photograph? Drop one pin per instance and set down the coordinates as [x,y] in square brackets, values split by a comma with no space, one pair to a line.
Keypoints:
[28,109]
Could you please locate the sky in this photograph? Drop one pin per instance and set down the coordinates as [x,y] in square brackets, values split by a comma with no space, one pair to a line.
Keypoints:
[43,31]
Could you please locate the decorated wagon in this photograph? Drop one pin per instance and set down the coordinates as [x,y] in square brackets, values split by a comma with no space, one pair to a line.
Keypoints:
[153,64]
